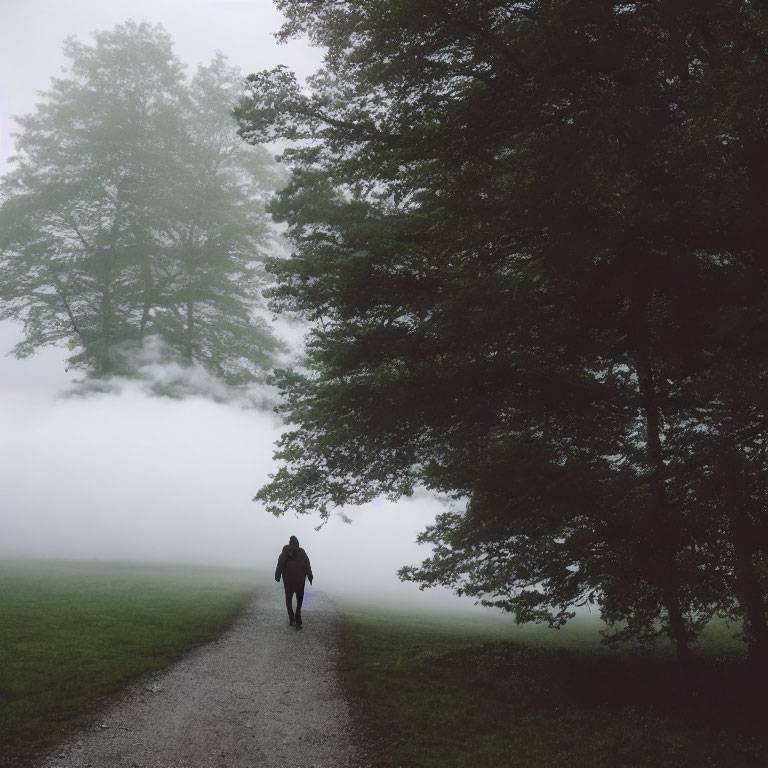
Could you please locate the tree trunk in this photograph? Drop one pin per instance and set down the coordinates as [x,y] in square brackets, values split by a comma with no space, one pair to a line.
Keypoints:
[665,522]
[62,293]
[107,305]
[148,296]
[750,589]
[188,342]
[106,310]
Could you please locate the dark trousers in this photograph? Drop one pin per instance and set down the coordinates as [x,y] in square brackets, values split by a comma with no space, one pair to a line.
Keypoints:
[290,591]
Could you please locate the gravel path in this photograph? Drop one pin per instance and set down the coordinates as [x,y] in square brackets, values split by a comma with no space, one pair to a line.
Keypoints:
[264,695]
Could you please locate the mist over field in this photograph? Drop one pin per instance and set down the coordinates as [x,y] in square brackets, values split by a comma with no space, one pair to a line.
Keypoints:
[126,475]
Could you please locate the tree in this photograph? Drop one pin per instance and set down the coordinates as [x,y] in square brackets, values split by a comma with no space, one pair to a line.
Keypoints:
[519,236]
[135,211]
[217,237]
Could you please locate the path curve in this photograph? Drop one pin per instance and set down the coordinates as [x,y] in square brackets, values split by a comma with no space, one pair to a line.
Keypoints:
[263,695]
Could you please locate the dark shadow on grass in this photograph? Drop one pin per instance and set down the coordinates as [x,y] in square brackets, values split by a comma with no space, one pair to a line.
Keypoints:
[478,704]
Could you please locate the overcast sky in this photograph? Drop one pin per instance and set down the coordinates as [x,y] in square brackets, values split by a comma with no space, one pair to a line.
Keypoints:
[132,476]
[32,32]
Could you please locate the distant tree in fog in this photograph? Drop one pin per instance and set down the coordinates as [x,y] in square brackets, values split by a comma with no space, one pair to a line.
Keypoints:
[529,237]
[135,210]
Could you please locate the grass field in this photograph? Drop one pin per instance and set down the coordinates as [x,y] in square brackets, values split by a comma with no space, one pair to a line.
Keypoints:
[453,690]
[465,692]
[72,632]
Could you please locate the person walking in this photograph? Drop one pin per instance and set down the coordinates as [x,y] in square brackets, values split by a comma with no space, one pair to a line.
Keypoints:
[293,567]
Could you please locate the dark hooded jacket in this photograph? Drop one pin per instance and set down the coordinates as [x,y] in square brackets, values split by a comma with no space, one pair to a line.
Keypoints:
[293,565]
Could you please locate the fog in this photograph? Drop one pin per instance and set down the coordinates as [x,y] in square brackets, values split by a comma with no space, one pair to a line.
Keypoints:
[126,475]
[32,32]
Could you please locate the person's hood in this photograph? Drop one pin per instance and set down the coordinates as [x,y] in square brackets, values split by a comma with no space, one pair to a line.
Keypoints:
[290,547]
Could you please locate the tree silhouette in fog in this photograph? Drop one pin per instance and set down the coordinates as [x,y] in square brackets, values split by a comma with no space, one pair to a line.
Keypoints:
[135,212]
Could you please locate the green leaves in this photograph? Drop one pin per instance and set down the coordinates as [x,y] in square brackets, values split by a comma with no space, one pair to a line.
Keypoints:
[135,211]
[521,234]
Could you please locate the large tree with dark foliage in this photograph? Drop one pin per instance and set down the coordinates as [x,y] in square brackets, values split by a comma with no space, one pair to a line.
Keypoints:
[529,238]
[136,211]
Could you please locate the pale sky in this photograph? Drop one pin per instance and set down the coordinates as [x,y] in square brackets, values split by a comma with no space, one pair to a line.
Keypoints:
[126,475]
[32,32]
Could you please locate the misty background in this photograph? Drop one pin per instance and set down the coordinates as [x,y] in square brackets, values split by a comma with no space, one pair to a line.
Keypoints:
[124,474]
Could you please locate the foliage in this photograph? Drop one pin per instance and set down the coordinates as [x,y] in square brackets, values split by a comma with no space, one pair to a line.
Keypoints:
[134,210]
[527,237]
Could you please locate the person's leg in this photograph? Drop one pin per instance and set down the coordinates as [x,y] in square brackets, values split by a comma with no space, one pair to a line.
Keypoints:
[299,601]
[289,602]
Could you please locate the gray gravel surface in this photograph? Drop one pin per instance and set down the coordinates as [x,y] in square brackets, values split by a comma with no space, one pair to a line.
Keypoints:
[262,695]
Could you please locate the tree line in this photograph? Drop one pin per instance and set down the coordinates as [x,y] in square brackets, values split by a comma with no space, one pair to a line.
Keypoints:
[530,240]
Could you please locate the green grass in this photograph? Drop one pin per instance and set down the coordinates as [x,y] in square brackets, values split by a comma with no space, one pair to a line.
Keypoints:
[72,632]
[463,692]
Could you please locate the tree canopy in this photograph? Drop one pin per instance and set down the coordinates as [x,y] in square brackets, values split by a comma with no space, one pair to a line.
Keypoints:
[135,212]
[528,237]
